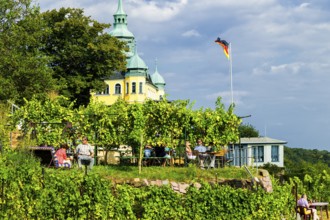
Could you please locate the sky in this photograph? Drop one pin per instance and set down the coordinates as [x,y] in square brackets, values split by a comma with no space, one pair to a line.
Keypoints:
[280,57]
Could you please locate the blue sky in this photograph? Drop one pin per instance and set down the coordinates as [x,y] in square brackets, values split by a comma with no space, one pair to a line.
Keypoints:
[280,57]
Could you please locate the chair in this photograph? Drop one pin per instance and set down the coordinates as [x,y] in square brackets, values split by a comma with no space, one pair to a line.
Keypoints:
[305,213]
[200,157]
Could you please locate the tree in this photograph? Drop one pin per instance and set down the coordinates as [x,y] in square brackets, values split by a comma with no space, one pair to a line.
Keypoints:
[23,67]
[82,54]
[247,130]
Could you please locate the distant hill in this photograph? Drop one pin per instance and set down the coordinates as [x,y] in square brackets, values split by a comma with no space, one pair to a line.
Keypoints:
[300,155]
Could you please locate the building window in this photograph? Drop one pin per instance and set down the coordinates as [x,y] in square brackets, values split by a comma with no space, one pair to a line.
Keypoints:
[133,87]
[107,90]
[117,89]
[275,153]
[127,88]
[258,153]
[140,87]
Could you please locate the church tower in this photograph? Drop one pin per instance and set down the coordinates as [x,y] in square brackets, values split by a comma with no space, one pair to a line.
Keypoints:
[134,85]
[120,29]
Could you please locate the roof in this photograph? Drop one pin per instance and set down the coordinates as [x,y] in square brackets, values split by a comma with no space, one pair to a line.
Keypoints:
[120,9]
[120,25]
[135,62]
[157,78]
[261,140]
[116,75]
[121,31]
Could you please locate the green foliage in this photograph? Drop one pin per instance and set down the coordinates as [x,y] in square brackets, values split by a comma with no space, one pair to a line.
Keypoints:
[247,130]
[4,129]
[299,155]
[158,123]
[27,193]
[20,185]
[43,121]
[60,51]
[23,67]
[82,53]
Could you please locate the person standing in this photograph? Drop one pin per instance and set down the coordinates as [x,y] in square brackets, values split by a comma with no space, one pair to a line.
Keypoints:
[85,152]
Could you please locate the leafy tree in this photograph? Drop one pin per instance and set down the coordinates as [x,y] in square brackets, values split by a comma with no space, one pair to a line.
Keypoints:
[298,155]
[247,130]
[218,126]
[82,54]
[23,68]
[165,121]
[42,121]
[158,123]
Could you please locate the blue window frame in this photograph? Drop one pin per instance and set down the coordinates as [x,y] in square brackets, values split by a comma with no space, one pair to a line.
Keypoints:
[258,153]
[275,153]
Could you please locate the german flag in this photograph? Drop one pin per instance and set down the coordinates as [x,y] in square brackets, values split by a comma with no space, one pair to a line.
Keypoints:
[225,45]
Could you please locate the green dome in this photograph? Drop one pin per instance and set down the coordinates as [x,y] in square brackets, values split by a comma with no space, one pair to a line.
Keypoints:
[121,32]
[120,25]
[135,62]
[157,79]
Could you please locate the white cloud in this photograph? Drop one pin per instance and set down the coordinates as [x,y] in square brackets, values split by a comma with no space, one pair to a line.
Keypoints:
[304,5]
[191,33]
[153,11]
[238,96]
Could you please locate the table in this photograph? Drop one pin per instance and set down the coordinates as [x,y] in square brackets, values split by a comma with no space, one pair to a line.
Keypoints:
[321,205]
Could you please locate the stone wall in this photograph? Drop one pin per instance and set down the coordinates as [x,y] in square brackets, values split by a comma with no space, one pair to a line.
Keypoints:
[262,179]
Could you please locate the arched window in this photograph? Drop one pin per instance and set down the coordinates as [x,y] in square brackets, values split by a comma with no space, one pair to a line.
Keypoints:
[117,89]
[134,87]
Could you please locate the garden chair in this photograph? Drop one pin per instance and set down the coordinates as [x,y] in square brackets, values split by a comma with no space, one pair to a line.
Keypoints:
[305,213]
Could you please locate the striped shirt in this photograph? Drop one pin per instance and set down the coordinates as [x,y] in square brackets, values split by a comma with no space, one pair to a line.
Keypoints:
[85,149]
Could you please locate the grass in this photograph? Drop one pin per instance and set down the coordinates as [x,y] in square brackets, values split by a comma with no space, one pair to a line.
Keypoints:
[178,174]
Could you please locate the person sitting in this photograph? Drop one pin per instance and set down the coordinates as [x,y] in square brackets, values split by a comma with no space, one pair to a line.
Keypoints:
[147,151]
[163,152]
[189,152]
[303,202]
[63,160]
[202,152]
[85,152]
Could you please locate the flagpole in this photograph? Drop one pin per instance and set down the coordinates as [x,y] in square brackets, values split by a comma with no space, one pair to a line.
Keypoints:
[231,74]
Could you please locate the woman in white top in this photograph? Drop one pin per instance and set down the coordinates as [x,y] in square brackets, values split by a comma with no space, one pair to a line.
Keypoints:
[189,152]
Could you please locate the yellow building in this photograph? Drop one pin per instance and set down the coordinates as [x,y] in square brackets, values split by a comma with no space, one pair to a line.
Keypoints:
[136,84]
